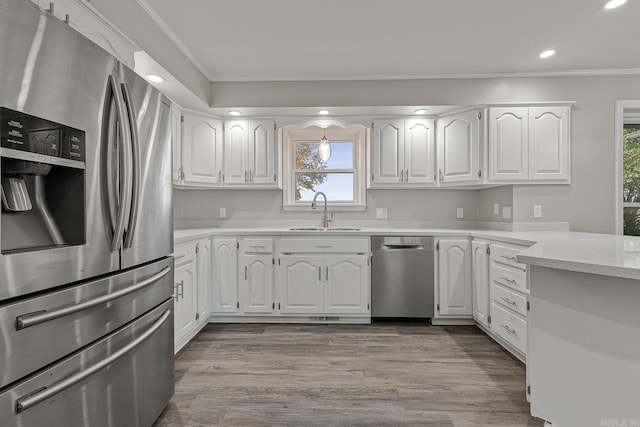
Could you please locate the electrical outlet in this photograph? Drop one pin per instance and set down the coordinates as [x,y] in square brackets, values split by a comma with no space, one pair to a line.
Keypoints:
[381,213]
[496,209]
[460,213]
[537,211]
[506,212]
[223,212]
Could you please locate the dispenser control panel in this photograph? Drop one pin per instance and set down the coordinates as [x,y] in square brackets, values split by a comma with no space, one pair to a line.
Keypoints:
[20,131]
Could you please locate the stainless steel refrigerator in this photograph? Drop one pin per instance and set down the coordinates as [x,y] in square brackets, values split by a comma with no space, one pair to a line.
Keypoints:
[86,276]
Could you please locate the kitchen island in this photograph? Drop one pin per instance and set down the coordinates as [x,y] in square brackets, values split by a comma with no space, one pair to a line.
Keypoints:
[583,360]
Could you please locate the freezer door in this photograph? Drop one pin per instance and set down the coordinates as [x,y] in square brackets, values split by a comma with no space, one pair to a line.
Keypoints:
[149,231]
[51,71]
[124,379]
[41,330]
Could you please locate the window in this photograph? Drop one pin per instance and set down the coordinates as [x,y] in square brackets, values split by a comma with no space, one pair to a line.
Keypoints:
[340,178]
[631,177]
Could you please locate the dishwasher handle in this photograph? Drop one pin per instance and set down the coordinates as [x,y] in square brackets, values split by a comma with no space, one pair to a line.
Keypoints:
[402,247]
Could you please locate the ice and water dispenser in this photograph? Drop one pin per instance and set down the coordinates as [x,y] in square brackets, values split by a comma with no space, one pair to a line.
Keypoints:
[42,176]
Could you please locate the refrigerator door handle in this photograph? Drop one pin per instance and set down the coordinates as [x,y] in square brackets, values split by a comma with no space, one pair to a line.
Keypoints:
[40,395]
[135,154]
[125,197]
[27,320]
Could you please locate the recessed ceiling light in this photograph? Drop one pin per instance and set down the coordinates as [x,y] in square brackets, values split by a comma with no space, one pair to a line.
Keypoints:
[421,111]
[234,113]
[323,112]
[612,4]
[548,53]
[155,78]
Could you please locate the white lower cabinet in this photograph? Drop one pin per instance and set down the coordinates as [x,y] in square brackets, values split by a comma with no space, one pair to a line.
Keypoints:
[480,281]
[224,298]
[203,259]
[327,278]
[185,293]
[453,278]
[255,263]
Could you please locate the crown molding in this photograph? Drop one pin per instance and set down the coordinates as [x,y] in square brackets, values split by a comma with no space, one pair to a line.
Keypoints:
[174,38]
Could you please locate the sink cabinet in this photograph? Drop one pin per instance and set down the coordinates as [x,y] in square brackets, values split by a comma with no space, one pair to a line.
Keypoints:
[327,278]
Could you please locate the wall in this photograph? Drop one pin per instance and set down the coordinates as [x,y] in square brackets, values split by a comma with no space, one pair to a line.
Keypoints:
[409,205]
[130,18]
[587,204]
[503,196]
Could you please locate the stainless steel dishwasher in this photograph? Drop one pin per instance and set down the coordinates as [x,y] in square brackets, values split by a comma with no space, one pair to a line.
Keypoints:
[402,277]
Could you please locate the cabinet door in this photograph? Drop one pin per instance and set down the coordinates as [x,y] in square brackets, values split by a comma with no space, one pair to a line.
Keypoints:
[204,258]
[454,277]
[388,152]
[262,153]
[225,276]
[257,279]
[459,148]
[236,152]
[509,144]
[419,152]
[184,300]
[301,284]
[480,279]
[176,143]
[346,289]
[202,150]
[549,143]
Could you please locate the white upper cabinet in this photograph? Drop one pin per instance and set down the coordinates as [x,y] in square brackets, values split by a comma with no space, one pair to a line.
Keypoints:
[549,143]
[509,144]
[458,141]
[201,150]
[529,144]
[403,153]
[250,153]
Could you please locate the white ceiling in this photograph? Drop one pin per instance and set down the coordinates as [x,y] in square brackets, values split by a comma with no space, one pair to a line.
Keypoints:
[243,40]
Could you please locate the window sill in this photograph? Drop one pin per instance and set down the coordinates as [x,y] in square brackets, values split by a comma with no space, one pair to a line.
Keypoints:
[320,208]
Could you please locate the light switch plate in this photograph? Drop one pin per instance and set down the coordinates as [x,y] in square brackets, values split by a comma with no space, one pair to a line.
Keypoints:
[460,213]
[496,209]
[381,213]
[223,212]
[537,211]
[506,212]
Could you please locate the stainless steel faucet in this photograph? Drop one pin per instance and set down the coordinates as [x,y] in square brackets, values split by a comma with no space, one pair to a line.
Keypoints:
[325,217]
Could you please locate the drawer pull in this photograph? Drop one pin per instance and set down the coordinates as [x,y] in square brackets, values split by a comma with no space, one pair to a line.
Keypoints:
[508,301]
[324,246]
[508,329]
[508,280]
[511,258]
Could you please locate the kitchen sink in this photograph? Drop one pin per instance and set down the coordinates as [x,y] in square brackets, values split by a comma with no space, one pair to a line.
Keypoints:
[306,229]
[325,229]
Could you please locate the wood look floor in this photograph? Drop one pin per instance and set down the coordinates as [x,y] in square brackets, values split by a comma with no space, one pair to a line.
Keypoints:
[346,375]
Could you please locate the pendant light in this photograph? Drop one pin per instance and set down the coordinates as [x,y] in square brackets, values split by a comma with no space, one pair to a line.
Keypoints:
[324,149]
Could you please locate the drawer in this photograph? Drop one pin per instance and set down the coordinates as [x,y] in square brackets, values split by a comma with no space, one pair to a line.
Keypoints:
[508,276]
[184,253]
[512,300]
[257,245]
[324,245]
[509,326]
[506,254]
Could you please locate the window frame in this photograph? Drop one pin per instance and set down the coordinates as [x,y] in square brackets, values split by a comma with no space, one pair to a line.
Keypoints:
[357,134]
[622,116]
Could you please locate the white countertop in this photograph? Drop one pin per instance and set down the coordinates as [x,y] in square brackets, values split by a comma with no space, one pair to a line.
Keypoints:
[604,254]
